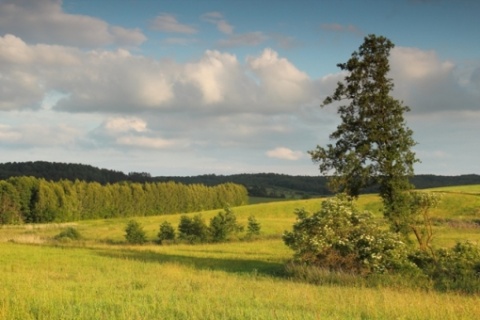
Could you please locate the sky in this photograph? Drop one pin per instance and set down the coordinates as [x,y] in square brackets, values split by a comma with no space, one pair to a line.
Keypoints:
[182,88]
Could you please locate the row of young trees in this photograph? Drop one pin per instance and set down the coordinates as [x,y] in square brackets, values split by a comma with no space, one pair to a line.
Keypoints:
[33,200]
[222,228]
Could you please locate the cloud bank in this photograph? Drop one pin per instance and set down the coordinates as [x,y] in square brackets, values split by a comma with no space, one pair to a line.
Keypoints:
[77,83]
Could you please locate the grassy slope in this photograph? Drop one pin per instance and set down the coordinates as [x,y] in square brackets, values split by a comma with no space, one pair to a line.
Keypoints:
[102,278]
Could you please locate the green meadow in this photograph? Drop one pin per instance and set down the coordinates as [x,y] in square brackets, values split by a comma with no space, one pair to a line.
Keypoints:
[101,277]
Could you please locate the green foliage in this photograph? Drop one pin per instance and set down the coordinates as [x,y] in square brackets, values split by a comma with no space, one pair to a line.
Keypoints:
[339,237]
[167,232]
[193,230]
[69,233]
[33,200]
[10,205]
[134,233]
[253,227]
[372,143]
[224,225]
[456,268]
[419,218]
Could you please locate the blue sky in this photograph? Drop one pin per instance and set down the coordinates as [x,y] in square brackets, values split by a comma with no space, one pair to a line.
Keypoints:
[224,87]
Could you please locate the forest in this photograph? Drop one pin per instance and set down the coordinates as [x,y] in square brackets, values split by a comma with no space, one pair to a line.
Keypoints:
[37,200]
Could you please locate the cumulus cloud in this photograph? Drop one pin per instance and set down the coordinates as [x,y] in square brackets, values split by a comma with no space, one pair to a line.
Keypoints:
[414,63]
[43,21]
[284,153]
[38,135]
[280,79]
[145,142]
[430,84]
[122,124]
[218,77]
[131,132]
[119,81]
[169,23]
[94,80]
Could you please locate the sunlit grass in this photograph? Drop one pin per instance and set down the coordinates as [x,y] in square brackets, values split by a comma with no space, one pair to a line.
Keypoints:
[197,282]
[469,189]
[101,277]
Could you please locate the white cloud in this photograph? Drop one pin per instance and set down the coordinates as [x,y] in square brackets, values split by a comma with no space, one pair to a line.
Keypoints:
[212,75]
[224,27]
[429,84]
[145,142]
[214,107]
[43,21]
[217,19]
[169,23]
[118,81]
[38,135]
[413,63]
[125,124]
[284,153]
[8,135]
[280,79]
[130,132]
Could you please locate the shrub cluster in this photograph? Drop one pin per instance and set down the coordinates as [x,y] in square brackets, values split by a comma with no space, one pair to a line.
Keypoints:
[134,233]
[341,238]
[223,227]
[166,233]
[456,268]
[68,234]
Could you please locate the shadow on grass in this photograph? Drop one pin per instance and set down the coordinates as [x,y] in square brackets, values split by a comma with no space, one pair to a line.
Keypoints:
[255,267]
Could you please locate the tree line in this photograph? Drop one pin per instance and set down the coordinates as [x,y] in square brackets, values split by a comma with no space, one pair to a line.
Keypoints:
[36,200]
[257,184]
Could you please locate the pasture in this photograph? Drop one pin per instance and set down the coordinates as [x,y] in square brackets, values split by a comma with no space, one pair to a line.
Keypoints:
[101,277]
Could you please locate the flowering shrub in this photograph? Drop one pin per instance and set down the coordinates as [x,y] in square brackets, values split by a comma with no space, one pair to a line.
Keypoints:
[340,237]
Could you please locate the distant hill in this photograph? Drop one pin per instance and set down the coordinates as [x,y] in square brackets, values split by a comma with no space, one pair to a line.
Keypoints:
[258,184]
[55,171]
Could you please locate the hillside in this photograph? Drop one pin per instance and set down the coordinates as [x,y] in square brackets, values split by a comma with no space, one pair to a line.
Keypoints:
[258,184]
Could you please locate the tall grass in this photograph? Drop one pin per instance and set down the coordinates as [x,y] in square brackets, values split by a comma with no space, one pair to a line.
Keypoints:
[101,277]
[150,283]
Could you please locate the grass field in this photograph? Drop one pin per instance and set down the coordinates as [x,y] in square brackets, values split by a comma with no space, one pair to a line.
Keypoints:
[101,277]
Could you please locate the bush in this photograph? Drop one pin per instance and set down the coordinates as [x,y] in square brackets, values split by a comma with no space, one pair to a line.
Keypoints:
[457,268]
[135,233]
[223,225]
[253,227]
[341,238]
[192,230]
[69,233]
[167,232]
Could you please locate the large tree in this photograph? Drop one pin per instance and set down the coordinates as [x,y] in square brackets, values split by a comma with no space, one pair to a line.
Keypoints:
[372,142]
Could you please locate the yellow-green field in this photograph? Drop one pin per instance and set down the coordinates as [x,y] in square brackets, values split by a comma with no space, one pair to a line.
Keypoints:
[100,277]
